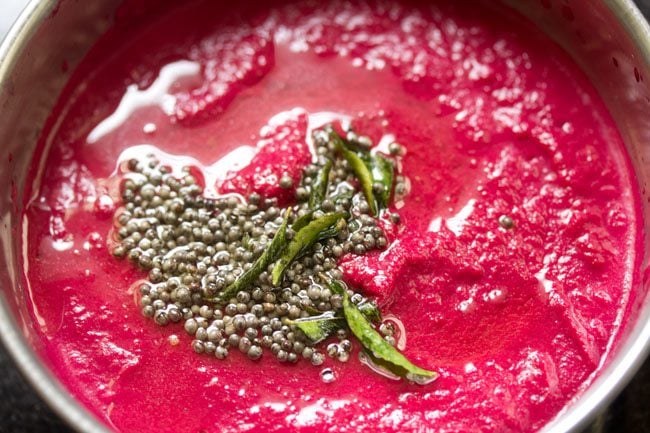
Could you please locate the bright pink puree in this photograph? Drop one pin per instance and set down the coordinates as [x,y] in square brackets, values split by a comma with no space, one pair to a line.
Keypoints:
[496,119]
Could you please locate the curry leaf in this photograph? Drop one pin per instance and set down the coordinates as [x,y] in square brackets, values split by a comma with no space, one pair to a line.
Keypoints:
[379,348]
[336,286]
[370,310]
[302,221]
[303,240]
[365,178]
[270,254]
[344,195]
[359,168]
[382,170]
[319,187]
[318,328]
[332,231]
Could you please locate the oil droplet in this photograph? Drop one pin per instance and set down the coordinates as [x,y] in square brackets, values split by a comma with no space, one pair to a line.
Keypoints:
[173,340]
[327,375]
[149,128]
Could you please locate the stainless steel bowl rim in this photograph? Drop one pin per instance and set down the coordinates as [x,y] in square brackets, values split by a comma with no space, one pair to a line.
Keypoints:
[572,419]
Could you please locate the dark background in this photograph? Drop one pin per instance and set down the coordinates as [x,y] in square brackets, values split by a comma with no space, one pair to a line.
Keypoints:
[22,411]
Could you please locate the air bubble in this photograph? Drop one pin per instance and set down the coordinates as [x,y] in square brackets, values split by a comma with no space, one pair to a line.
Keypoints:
[327,375]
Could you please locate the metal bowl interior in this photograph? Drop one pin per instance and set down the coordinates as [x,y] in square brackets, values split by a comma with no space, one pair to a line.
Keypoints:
[609,39]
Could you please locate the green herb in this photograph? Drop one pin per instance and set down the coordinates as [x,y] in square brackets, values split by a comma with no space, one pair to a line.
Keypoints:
[345,195]
[316,230]
[302,221]
[359,168]
[397,370]
[365,177]
[319,187]
[335,286]
[370,310]
[318,328]
[382,170]
[273,250]
[245,240]
[332,231]
[379,348]
[335,138]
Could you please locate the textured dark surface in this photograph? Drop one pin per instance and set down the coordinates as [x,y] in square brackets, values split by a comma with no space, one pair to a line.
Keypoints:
[644,5]
[22,411]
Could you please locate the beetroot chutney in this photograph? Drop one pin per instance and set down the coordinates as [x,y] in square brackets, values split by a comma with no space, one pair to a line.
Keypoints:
[496,120]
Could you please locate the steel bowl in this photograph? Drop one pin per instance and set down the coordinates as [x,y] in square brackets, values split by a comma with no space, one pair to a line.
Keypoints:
[609,40]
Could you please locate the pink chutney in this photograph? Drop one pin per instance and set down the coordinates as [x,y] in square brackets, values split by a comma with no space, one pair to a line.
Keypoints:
[496,119]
